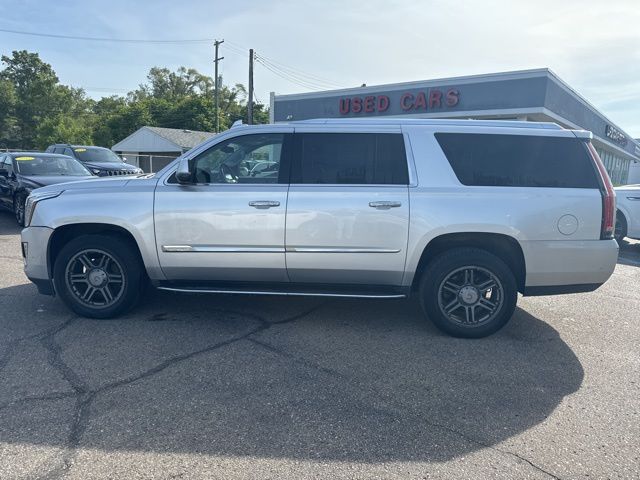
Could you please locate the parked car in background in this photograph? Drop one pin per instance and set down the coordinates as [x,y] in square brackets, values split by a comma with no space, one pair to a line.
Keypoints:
[101,161]
[22,172]
[464,214]
[628,214]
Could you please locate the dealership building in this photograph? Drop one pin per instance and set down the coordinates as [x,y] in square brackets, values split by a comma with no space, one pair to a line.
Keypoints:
[530,95]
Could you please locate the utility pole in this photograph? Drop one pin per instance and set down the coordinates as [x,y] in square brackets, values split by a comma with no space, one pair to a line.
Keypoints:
[250,104]
[217,85]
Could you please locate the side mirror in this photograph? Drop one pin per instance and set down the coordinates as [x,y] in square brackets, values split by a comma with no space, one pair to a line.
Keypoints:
[183,175]
[4,173]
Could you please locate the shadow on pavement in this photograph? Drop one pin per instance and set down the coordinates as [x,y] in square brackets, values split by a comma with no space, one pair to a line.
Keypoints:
[366,381]
[629,252]
[8,224]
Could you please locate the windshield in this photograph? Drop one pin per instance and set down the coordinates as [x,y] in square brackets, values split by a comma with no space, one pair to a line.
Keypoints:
[96,154]
[50,165]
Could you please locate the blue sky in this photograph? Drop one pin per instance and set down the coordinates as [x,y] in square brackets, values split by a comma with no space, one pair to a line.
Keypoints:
[593,45]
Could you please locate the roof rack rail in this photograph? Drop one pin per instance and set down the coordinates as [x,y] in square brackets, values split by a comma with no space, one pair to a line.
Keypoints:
[430,121]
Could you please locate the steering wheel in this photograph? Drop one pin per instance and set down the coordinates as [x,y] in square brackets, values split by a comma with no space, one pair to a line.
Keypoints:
[227,175]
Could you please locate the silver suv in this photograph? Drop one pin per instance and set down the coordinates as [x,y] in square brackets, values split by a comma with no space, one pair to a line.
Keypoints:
[463,214]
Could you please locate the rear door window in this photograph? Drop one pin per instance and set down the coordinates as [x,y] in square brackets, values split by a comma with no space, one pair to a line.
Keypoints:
[518,160]
[350,158]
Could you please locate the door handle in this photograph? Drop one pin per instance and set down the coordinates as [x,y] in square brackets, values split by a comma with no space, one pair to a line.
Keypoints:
[264,204]
[385,205]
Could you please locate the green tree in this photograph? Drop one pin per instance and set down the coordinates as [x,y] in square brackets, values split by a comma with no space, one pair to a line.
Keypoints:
[8,101]
[36,110]
[62,129]
[163,83]
[38,96]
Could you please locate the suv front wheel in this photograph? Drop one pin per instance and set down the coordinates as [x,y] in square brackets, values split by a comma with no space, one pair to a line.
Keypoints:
[468,292]
[98,276]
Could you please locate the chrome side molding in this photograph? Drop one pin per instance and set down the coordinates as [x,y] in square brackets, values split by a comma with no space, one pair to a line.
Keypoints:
[217,249]
[340,250]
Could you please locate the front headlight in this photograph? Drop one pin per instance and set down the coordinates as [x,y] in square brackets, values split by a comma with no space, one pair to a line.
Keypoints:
[95,171]
[32,201]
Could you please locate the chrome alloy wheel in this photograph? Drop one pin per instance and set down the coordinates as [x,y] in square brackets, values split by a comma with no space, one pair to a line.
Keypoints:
[95,278]
[470,296]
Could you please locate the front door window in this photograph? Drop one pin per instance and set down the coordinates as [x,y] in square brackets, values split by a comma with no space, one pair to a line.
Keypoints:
[246,159]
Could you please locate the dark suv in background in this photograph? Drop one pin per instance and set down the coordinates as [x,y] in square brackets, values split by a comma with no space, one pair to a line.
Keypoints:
[101,161]
[23,172]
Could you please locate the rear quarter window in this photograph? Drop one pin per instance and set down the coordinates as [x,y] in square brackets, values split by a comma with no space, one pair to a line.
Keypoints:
[518,160]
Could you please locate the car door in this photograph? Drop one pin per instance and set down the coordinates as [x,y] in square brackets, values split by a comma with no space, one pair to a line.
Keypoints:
[348,207]
[230,224]
[6,169]
[632,203]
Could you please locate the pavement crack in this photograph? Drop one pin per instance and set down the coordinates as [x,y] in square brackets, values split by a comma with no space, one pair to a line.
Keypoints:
[13,344]
[526,460]
[38,398]
[54,357]
[263,325]
[482,444]
[175,360]
[298,316]
[301,360]
[85,395]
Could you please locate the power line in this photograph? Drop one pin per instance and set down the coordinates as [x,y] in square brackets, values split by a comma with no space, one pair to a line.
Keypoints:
[294,78]
[286,77]
[237,50]
[301,78]
[302,73]
[291,74]
[105,39]
[284,67]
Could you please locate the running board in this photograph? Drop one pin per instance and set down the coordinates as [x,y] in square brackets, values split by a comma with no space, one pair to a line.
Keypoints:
[291,293]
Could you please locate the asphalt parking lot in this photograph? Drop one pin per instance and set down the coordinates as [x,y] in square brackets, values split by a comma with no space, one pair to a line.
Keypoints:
[226,387]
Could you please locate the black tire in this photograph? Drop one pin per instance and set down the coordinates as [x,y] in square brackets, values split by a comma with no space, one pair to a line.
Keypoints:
[621,227]
[482,307]
[119,297]
[18,207]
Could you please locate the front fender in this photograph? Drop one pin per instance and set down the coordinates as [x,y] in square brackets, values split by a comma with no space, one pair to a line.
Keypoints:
[130,209]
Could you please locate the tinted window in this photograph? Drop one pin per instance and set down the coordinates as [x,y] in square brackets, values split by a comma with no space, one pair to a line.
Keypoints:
[246,159]
[50,165]
[350,158]
[7,164]
[518,160]
[95,154]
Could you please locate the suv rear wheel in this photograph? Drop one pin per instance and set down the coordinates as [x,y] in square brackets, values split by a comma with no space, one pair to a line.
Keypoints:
[468,292]
[98,276]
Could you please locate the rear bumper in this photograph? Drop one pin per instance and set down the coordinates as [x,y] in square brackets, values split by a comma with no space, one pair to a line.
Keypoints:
[556,267]
[35,246]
